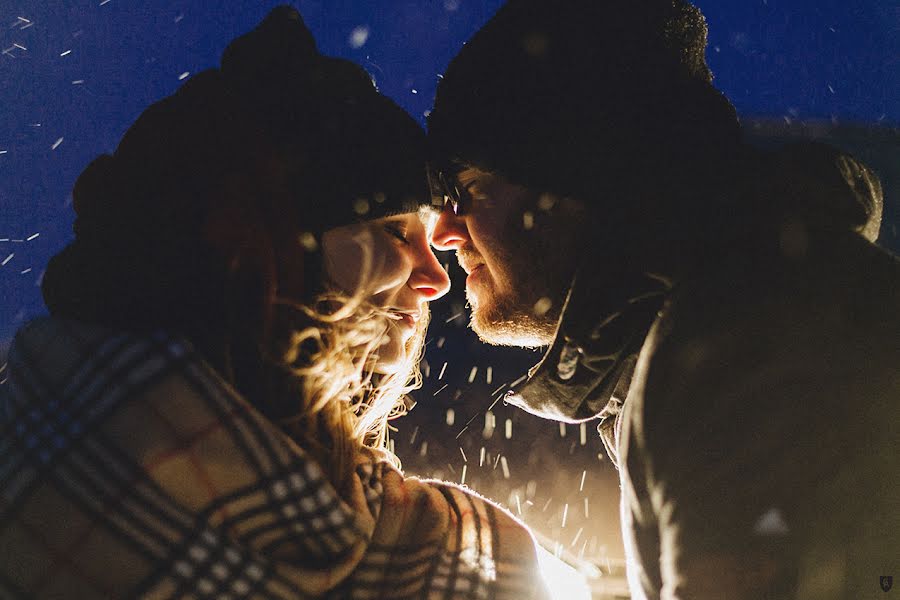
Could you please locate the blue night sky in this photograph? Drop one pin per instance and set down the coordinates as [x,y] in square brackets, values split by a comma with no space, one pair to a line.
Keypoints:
[76,73]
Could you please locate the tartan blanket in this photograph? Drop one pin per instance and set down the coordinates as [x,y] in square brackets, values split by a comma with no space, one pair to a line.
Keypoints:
[130,469]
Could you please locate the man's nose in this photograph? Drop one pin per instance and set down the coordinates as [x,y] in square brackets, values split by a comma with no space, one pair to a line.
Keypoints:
[450,231]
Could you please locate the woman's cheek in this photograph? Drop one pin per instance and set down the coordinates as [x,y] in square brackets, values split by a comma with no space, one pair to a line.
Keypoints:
[393,268]
[345,254]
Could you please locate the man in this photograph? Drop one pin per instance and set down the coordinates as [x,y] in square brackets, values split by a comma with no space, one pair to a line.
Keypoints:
[720,313]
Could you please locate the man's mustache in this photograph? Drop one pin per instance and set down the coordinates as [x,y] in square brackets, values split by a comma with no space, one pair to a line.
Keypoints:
[468,259]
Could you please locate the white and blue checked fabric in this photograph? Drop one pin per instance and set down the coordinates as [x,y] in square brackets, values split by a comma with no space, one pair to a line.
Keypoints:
[130,469]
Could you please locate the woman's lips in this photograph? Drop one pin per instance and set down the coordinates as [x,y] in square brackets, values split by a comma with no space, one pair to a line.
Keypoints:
[406,319]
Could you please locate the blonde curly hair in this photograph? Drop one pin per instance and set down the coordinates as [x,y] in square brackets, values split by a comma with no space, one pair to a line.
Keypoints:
[346,401]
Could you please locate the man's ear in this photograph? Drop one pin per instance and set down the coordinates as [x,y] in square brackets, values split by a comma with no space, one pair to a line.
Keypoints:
[574,217]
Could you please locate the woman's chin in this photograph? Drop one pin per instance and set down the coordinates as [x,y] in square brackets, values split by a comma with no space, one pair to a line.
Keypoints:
[391,356]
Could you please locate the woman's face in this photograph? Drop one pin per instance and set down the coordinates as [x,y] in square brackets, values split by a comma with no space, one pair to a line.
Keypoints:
[388,262]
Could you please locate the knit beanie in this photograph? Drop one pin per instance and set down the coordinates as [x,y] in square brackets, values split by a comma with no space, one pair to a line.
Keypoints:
[588,98]
[343,152]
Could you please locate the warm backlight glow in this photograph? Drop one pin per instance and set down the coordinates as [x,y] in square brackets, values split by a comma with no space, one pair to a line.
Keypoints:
[563,581]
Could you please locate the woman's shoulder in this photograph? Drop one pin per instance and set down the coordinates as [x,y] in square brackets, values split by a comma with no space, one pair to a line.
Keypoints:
[55,342]
[93,370]
[57,352]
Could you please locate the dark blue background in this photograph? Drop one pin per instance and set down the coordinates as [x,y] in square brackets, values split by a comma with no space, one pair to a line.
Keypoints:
[823,59]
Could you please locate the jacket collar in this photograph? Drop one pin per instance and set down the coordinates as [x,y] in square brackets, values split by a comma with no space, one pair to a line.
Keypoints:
[604,320]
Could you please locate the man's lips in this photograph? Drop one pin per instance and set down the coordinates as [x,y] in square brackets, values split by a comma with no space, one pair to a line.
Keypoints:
[470,263]
[474,272]
[470,268]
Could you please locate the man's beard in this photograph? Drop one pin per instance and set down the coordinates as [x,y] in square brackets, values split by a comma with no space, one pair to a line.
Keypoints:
[509,321]
[514,312]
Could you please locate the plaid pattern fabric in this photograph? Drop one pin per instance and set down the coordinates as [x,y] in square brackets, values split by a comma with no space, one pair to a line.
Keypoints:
[129,469]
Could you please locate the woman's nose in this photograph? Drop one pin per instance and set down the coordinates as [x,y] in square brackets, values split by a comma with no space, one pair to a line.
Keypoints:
[429,278]
[450,231]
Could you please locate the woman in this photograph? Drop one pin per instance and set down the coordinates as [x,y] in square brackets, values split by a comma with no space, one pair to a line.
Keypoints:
[204,414]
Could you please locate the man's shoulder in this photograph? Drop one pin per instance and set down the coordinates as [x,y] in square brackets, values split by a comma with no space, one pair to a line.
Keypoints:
[848,293]
[762,351]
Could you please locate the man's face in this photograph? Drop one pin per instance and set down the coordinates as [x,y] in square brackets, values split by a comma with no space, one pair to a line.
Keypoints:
[519,250]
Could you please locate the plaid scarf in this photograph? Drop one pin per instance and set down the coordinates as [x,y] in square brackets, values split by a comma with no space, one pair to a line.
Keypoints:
[130,469]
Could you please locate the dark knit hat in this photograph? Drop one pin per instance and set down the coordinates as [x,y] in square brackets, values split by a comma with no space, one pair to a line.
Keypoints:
[312,128]
[341,141]
[581,97]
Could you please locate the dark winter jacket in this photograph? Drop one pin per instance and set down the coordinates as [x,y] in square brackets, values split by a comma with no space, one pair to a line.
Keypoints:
[758,443]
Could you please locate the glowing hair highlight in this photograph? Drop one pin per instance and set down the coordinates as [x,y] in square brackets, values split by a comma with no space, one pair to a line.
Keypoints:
[345,403]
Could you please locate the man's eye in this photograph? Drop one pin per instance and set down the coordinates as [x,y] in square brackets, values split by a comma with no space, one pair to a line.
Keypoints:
[398,232]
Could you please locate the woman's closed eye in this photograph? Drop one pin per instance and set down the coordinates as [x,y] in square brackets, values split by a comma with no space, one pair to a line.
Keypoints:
[398,230]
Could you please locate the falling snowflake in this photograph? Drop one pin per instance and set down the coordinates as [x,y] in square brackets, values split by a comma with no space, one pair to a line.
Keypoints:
[358,37]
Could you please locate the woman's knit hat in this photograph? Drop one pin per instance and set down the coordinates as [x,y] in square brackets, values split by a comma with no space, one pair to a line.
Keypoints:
[277,116]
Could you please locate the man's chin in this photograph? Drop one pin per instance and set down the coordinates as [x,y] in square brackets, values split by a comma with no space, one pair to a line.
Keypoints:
[500,327]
